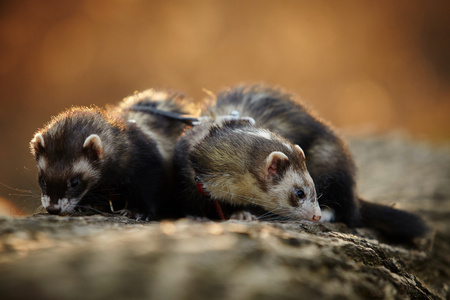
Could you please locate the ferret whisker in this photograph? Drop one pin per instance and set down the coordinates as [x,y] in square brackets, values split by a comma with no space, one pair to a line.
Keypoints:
[88,207]
[325,206]
[276,217]
[39,209]
[25,195]
[269,218]
[18,190]
[250,200]
[268,214]
[253,200]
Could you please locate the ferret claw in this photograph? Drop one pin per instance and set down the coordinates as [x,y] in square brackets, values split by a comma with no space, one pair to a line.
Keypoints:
[137,215]
[243,216]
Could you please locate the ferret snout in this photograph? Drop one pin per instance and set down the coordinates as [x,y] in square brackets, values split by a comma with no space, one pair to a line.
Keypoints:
[316,218]
[55,206]
[315,214]
[53,210]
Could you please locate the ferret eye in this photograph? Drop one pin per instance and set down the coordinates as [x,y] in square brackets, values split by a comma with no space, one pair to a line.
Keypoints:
[42,182]
[300,194]
[74,183]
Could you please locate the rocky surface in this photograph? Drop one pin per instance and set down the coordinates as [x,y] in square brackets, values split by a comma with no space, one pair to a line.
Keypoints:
[111,257]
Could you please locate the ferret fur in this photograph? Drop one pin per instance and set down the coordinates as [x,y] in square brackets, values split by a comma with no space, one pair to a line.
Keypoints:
[88,158]
[245,168]
[328,160]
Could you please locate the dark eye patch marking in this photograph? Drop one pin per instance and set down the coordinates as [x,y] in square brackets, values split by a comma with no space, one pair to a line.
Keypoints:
[300,193]
[73,183]
[294,201]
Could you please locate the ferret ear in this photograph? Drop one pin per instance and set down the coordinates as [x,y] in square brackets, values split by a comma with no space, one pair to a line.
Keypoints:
[37,144]
[94,147]
[276,163]
[300,150]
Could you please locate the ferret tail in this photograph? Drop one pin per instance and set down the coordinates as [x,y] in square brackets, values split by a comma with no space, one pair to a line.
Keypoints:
[395,224]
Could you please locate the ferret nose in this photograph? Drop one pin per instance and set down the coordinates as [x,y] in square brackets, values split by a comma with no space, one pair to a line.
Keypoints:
[316,218]
[53,210]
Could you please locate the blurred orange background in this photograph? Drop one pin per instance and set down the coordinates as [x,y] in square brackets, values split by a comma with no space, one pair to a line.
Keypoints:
[366,66]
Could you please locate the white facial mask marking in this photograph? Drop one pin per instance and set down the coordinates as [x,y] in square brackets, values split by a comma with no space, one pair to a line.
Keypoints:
[42,163]
[45,201]
[66,205]
[308,207]
[311,209]
[83,166]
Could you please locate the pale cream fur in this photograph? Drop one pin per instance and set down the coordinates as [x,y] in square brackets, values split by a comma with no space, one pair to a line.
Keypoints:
[275,200]
[96,142]
[163,143]
[36,141]
[270,160]
[83,166]
[300,150]
[308,207]
[42,163]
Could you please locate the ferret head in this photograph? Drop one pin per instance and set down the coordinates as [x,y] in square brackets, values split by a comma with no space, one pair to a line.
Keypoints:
[241,164]
[67,169]
[289,186]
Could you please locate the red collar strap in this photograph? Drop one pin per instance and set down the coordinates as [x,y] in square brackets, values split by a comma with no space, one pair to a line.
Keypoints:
[200,187]
[219,210]
[204,193]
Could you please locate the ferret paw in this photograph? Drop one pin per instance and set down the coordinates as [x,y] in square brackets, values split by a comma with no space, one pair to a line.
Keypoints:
[85,210]
[198,219]
[243,216]
[138,216]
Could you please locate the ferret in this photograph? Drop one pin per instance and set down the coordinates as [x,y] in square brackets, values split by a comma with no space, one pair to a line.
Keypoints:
[148,110]
[245,168]
[107,160]
[230,162]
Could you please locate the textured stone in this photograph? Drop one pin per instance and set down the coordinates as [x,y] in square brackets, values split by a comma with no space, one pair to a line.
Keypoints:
[112,257]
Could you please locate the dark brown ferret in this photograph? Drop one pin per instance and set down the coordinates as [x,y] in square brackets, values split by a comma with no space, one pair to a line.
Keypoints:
[90,159]
[227,160]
